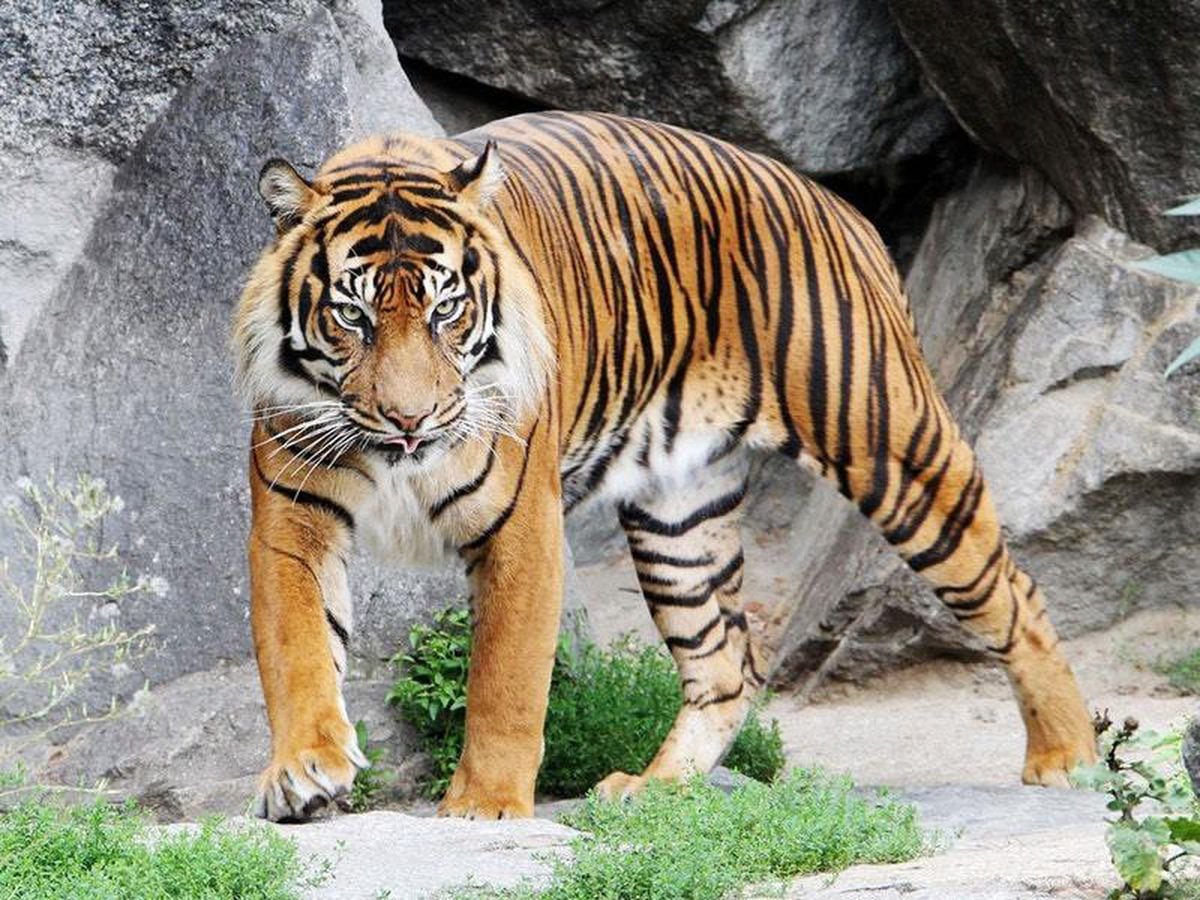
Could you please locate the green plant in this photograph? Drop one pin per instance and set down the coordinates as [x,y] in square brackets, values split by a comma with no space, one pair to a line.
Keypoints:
[431,692]
[1158,819]
[696,842]
[60,595]
[758,750]
[1183,672]
[369,782]
[101,851]
[1182,266]
[608,709]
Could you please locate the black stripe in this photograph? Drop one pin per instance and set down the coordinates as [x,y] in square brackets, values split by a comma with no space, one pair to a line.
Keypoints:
[722,698]
[689,601]
[640,520]
[660,559]
[696,640]
[338,629]
[305,498]
[953,528]
[507,512]
[463,490]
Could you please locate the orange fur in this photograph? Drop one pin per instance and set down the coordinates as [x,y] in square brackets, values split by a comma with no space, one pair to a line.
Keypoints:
[452,339]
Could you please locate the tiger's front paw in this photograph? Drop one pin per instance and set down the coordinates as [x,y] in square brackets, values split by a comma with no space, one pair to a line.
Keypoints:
[1052,767]
[477,797]
[295,785]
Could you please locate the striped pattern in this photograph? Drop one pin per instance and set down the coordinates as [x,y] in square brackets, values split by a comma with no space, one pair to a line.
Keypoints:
[558,304]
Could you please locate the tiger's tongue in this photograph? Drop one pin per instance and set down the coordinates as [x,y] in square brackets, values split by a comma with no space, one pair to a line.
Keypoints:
[405,442]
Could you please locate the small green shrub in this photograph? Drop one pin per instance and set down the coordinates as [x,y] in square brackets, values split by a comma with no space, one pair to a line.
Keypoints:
[431,692]
[62,591]
[102,852]
[758,750]
[608,709]
[694,842]
[369,782]
[1158,821]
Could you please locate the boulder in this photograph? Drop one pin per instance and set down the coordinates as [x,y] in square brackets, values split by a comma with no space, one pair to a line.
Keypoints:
[827,85]
[390,854]
[196,745]
[146,132]
[1058,836]
[1104,99]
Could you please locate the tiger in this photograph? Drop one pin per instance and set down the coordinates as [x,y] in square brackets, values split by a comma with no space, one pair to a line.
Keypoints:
[449,343]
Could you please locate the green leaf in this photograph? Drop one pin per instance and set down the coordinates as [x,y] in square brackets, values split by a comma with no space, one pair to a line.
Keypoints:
[1184,830]
[1182,266]
[1135,854]
[1191,352]
[1191,208]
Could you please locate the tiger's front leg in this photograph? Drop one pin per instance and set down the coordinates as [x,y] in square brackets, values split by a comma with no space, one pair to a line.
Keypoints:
[300,620]
[516,566]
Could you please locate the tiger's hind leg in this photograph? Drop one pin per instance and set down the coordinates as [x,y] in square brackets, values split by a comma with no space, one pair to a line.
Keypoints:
[927,494]
[948,532]
[687,549]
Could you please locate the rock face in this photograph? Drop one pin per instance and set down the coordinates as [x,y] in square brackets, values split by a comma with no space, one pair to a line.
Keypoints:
[146,135]
[1103,98]
[826,84]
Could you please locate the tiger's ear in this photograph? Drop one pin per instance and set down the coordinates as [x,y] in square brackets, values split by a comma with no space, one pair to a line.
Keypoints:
[477,179]
[288,195]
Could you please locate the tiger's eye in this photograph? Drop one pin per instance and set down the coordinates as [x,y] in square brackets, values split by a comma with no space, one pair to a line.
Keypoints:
[349,312]
[445,307]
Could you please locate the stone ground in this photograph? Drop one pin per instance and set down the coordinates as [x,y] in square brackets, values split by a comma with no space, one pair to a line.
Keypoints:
[998,839]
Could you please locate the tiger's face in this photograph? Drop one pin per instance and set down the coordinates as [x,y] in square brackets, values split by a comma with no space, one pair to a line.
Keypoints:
[390,313]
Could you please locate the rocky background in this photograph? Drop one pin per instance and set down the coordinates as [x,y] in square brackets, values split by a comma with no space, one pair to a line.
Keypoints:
[1016,155]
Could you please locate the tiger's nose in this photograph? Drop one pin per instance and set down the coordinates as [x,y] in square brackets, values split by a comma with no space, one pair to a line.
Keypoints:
[405,421]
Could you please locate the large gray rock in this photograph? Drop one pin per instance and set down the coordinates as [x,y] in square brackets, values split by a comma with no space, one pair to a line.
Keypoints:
[826,84]
[124,372]
[1094,457]
[195,746]
[389,854]
[1104,98]
[1057,836]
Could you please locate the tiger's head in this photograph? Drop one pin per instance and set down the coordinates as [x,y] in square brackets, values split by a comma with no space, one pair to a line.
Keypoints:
[390,314]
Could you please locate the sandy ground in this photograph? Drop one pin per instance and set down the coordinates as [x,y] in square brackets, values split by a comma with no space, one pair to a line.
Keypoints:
[880,732]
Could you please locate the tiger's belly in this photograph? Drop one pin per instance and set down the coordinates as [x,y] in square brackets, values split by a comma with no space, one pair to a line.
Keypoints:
[643,462]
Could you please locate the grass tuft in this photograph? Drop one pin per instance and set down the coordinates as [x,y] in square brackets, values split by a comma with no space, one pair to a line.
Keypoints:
[1183,672]
[696,842]
[102,852]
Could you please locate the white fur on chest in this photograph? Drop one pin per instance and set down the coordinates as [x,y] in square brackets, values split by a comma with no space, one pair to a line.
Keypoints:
[394,523]
[667,470]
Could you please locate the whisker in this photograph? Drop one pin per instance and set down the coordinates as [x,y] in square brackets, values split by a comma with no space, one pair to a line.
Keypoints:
[330,416]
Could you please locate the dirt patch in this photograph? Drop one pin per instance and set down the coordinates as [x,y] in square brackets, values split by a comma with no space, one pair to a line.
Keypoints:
[957,723]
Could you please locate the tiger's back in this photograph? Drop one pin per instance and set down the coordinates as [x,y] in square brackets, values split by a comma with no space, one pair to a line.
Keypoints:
[691,285]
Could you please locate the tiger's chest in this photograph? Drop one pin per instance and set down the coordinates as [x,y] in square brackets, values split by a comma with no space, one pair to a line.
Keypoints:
[394,521]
